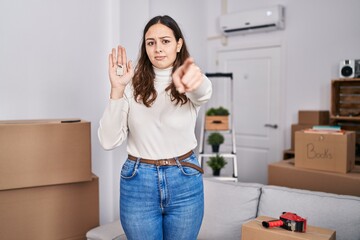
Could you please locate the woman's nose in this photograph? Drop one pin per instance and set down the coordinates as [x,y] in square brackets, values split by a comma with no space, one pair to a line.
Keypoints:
[158,48]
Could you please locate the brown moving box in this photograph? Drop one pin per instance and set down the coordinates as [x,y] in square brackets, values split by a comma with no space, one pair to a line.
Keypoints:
[327,152]
[295,128]
[285,174]
[253,230]
[44,152]
[65,211]
[317,117]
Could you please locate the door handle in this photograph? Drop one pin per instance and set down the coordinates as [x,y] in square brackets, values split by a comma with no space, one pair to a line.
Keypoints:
[274,126]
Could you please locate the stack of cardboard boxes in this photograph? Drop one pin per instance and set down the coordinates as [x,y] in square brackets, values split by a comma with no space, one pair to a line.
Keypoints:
[306,119]
[323,161]
[47,189]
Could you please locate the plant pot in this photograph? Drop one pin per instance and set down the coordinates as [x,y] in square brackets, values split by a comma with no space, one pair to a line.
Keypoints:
[217,123]
[216,172]
[215,148]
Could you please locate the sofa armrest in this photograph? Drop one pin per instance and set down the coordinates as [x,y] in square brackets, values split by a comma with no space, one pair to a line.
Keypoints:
[110,231]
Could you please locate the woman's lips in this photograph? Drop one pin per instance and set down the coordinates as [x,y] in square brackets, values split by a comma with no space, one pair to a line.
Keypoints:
[159,58]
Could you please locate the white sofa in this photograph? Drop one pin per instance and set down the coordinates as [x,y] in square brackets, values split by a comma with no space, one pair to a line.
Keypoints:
[228,205]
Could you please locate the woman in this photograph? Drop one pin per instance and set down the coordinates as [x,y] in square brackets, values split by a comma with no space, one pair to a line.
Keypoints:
[155,107]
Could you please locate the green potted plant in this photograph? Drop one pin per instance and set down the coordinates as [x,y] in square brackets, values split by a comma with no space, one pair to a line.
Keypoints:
[216,163]
[217,119]
[220,111]
[215,139]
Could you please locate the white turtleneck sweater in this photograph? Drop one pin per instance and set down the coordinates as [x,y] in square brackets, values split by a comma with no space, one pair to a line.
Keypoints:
[163,130]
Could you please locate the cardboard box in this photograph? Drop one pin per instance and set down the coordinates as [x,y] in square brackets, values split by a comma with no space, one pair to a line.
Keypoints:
[295,128]
[217,122]
[65,211]
[253,230]
[284,173]
[288,154]
[44,152]
[318,117]
[327,151]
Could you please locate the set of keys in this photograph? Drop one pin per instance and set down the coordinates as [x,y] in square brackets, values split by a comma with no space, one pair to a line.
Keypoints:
[120,70]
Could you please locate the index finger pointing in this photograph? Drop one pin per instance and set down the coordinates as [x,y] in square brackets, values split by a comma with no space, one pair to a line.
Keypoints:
[188,62]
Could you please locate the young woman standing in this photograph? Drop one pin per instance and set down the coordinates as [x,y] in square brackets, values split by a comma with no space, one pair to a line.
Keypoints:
[155,107]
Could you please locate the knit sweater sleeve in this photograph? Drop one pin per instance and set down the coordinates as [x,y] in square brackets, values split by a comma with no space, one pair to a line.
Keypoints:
[202,94]
[113,127]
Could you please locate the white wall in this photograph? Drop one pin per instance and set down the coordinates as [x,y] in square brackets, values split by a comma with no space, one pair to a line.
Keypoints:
[53,65]
[53,57]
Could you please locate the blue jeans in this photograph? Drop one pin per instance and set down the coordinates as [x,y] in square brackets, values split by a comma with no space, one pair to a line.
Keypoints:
[161,203]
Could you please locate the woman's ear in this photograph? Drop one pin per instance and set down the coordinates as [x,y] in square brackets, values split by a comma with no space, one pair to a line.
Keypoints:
[179,45]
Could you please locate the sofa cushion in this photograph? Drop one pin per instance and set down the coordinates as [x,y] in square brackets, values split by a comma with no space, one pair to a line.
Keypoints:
[338,212]
[227,206]
[110,231]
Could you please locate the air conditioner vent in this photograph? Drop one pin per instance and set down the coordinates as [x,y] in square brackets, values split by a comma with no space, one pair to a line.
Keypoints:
[265,19]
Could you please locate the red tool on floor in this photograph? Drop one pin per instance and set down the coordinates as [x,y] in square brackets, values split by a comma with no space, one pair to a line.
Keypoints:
[289,221]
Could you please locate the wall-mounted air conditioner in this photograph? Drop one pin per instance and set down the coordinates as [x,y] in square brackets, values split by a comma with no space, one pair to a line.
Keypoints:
[264,19]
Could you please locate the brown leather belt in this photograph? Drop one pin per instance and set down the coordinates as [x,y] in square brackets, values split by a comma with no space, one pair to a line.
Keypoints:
[169,161]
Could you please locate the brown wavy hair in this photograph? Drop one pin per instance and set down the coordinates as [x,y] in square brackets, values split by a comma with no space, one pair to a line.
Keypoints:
[143,80]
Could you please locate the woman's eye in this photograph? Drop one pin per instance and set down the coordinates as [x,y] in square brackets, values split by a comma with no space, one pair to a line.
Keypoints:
[150,43]
[165,41]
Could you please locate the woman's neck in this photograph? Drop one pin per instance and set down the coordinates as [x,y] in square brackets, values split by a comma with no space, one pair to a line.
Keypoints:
[163,75]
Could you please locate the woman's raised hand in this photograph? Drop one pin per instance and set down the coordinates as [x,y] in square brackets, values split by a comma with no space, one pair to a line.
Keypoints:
[187,77]
[120,70]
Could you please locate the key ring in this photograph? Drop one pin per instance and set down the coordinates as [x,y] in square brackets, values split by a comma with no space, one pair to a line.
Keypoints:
[120,70]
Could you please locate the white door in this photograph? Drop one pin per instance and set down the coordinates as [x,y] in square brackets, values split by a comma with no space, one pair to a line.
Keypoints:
[257,108]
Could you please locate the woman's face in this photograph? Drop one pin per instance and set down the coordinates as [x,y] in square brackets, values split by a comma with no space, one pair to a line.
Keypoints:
[161,46]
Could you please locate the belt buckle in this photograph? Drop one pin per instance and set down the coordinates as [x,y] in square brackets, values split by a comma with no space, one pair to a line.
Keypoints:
[163,162]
